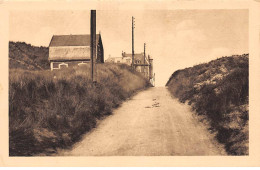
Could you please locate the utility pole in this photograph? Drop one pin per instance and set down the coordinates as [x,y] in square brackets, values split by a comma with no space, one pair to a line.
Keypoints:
[93,45]
[133,52]
[154,79]
[144,51]
[149,67]
[144,60]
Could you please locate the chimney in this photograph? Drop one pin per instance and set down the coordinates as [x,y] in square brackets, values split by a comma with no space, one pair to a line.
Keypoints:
[93,44]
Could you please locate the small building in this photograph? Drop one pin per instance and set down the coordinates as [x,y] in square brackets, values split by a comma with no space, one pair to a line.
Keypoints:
[114,60]
[124,60]
[142,63]
[73,50]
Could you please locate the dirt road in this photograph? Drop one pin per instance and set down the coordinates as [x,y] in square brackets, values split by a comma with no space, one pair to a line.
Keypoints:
[152,123]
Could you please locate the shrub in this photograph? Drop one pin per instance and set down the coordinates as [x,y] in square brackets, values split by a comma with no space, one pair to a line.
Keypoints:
[50,110]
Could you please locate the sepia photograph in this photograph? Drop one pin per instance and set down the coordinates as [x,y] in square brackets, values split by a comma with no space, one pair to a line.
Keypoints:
[116,82]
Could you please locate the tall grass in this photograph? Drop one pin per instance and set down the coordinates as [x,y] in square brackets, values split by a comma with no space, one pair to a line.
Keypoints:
[50,110]
[219,91]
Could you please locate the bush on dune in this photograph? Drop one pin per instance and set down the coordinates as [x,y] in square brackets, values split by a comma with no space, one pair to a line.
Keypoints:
[50,110]
[218,90]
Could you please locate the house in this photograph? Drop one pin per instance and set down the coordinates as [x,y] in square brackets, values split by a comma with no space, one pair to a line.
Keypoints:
[125,60]
[114,59]
[142,63]
[73,50]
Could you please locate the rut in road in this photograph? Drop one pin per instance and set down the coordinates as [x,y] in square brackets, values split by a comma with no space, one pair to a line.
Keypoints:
[152,123]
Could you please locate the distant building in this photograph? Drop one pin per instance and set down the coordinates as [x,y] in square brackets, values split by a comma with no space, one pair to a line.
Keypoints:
[123,59]
[142,63]
[115,60]
[73,50]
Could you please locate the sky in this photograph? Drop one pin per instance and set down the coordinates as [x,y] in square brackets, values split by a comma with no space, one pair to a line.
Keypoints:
[175,39]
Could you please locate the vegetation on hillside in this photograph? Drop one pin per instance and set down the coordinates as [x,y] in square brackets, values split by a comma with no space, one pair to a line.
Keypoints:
[28,57]
[218,90]
[50,110]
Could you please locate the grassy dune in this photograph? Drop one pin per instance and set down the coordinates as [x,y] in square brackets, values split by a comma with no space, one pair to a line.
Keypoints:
[28,57]
[50,110]
[218,90]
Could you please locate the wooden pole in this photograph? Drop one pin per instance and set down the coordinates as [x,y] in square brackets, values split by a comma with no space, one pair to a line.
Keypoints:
[133,53]
[93,45]
[144,61]
[149,67]
[154,79]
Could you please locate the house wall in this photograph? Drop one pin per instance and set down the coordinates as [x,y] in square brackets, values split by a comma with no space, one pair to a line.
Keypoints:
[151,68]
[138,68]
[127,60]
[147,71]
[65,64]
[118,60]
[110,60]
[144,70]
[100,52]
[115,60]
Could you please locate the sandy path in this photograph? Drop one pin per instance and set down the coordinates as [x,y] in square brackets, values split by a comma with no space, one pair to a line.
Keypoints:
[152,123]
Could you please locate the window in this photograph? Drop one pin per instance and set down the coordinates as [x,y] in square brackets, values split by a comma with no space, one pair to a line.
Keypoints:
[137,61]
[57,65]
[63,65]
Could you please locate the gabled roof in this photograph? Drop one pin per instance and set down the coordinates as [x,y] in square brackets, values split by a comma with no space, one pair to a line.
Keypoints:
[71,40]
